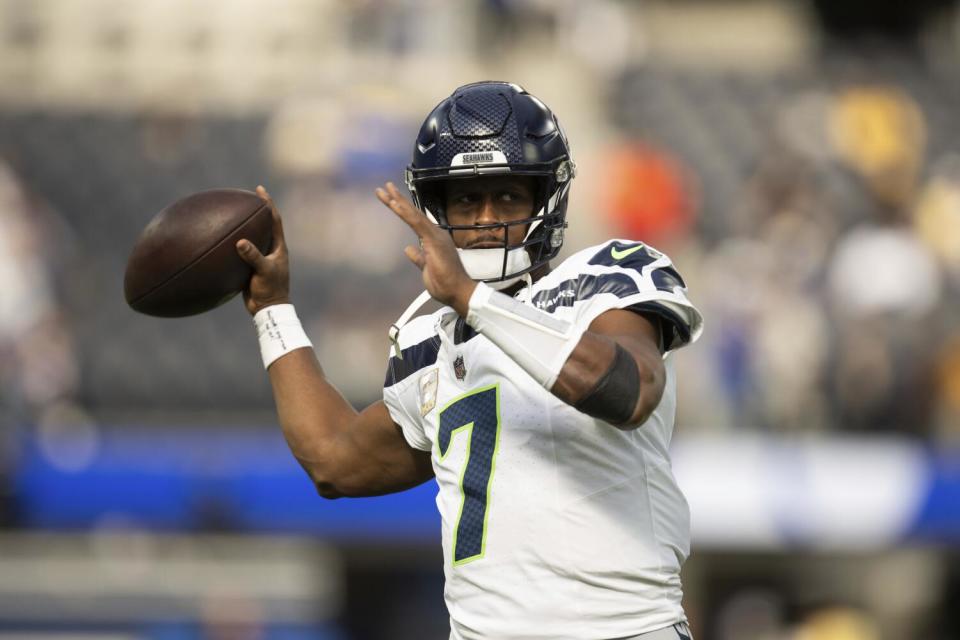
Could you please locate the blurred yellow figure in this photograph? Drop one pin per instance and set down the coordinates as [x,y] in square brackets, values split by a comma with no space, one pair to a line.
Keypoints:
[837,623]
[937,212]
[880,132]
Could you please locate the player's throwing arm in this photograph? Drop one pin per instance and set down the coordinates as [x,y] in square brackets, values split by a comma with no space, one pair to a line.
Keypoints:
[345,452]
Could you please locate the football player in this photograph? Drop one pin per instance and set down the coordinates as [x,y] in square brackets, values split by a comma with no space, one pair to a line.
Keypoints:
[542,399]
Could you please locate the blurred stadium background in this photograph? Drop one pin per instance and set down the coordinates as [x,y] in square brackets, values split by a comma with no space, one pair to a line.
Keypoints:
[799,160]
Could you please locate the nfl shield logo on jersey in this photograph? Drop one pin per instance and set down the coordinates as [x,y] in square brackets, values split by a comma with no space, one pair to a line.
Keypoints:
[459,369]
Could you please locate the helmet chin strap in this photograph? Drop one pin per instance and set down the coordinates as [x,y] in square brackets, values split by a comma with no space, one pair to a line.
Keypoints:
[487,264]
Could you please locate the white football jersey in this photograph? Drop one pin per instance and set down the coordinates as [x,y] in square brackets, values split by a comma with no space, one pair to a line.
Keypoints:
[555,524]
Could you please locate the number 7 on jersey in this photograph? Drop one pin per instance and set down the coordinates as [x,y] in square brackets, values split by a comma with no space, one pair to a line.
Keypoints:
[476,415]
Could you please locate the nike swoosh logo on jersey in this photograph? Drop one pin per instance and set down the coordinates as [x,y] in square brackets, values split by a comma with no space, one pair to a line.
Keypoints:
[620,255]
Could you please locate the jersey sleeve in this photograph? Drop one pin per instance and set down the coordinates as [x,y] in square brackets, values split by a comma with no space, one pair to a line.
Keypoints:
[402,387]
[622,274]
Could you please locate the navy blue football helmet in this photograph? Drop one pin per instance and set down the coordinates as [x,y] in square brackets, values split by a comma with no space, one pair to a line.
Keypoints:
[489,128]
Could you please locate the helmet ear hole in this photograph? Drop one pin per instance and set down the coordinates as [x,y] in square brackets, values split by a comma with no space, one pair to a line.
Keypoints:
[431,198]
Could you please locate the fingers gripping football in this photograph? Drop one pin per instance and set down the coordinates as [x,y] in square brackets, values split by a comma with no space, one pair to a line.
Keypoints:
[270,283]
[437,257]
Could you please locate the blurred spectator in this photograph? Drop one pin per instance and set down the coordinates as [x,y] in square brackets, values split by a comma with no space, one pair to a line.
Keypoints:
[885,287]
[760,285]
[836,623]
[648,195]
[880,270]
[751,614]
[937,214]
[947,410]
[38,372]
[40,368]
[227,617]
[880,131]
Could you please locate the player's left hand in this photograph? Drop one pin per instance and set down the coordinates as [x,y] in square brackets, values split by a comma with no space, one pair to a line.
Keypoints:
[443,272]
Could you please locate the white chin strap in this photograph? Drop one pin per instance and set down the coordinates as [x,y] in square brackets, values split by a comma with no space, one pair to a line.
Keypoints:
[486,264]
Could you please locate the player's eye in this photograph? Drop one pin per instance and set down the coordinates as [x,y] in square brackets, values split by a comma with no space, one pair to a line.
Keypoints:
[467,198]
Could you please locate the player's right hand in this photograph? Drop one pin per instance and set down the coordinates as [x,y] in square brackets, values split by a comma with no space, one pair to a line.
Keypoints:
[270,282]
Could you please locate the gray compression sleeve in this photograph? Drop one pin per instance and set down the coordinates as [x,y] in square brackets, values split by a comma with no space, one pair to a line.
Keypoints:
[615,395]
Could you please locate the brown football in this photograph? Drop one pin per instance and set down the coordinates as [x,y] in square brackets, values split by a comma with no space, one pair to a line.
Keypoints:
[185,262]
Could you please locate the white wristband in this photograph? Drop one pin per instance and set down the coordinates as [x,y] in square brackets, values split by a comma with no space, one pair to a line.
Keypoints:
[279,331]
[534,339]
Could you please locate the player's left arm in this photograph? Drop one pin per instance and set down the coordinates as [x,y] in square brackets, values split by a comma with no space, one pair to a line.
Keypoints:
[616,371]
[613,371]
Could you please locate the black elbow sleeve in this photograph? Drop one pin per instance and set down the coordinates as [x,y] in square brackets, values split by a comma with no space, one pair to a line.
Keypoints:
[616,393]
